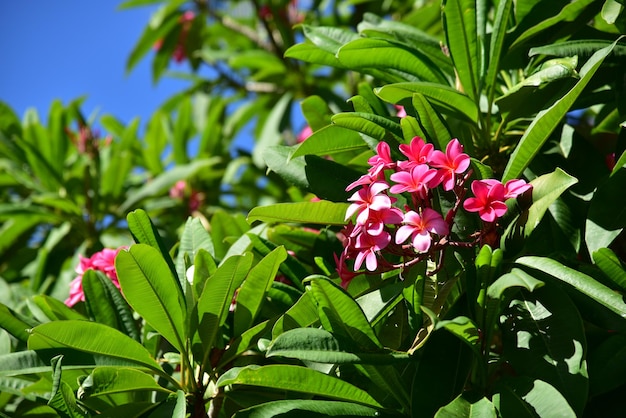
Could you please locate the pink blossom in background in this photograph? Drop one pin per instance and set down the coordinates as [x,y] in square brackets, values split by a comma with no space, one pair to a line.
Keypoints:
[400,111]
[304,134]
[178,190]
[103,261]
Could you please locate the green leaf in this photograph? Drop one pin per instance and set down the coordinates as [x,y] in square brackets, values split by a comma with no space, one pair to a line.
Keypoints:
[547,120]
[500,22]
[544,339]
[152,290]
[214,302]
[316,112]
[93,338]
[465,329]
[579,47]
[244,342]
[271,132]
[606,218]
[144,232]
[581,282]
[327,38]
[62,398]
[195,238]
[321,212]
[431,123]
[382,54]
[611,266]
[254,289]
[467,406]
[569,13]
[104,381]
[10,322]
[460,27]
[513,279]
[445,99]
[525,397]
[341,315]
[378,127]
[330,140]
[307,409]
[302,314]
[318,345]
[297,379]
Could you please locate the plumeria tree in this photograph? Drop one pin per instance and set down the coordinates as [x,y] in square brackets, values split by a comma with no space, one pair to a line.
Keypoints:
[430,221]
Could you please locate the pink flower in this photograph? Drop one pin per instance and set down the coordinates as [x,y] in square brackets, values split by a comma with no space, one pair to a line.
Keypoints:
[400,111]
[419,180]
[418,152]
[103,261]
[304,134]
[367,245]
[377,219]
[453,162]
[178,190]
[367,199]
[419,228]
[382,160]
[514,188]
[488,200]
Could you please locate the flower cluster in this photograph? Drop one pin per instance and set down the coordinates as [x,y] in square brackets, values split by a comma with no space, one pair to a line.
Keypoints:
[417,230]
[103,261]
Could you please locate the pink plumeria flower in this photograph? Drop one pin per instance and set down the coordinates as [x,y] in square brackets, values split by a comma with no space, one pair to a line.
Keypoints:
[103,261]
[368,199]
[453,162]
[419,228]
[367,246]
[400,111]
[304,134]
[377,219]
[419,180]
[514,188]
[418,152]
[381,160]
[488,200]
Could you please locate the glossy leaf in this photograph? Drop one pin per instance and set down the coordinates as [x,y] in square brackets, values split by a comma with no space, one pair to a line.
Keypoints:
[62,398]
[151,289]
[297,379]
[611,266]
[516,278]
[525,397]
[10,322]
[144,232]
[330,140]
[431,123]
[318,345]
[308,409]
[104,381]
[322,212]
[464,406]
[254,289]
[547,120]
[445,99]
[93,338]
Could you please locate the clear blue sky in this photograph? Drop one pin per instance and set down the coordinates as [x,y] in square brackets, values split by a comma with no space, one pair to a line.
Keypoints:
[69,48]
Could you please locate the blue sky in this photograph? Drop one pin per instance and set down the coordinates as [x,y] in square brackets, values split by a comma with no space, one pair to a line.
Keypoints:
[71,48]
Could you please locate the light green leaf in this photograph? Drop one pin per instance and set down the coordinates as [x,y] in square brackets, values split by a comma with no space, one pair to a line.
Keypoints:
[302,314]
[330,140]
[195,238]
[242,343]
[62,398]
[500,22]
[445,99]
[271,132]
[214,302]
[152,290]
[306,408]
[465,329]
[93,338]
[579,47]
[466,406]
[378,127]
[104,381]
[297,379]
[341,315]
[611,266]
[581,282]
[431,123]
[547,120]
[515,278]
[254,289]
[322,212]
[525,397]
[318,345]
[10,322]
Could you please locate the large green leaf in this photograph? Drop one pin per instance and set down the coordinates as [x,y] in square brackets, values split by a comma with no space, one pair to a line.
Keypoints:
[544,338]
[11,322]
[144,232]
[500,22]
[341,315]
[254,289]
[307,409]
[606,218]
[611,266]
[527,398]
[321,212]
[467,406]
[460,26]
[580,281]
[431,123]
[104,381]
[195,238]
[547,120]
[382,54]
[62,398]
[330,140]
[297,379]
[318,345]
[93,338]
[152,290]
[215,300]
[444,98]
